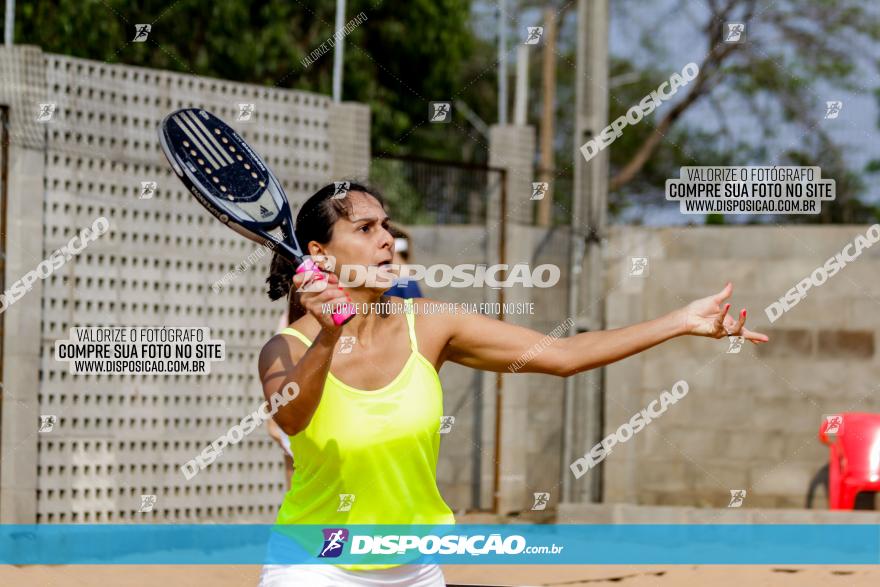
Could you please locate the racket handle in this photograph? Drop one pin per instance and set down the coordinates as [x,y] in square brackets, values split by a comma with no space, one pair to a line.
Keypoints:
[347,311]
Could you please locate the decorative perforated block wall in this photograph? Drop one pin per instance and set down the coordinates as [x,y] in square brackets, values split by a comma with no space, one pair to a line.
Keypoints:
[118,437]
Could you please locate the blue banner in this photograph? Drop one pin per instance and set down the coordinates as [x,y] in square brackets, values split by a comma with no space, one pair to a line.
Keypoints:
[593,544]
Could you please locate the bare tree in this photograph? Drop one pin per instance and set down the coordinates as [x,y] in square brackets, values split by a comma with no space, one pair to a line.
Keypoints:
[789,47]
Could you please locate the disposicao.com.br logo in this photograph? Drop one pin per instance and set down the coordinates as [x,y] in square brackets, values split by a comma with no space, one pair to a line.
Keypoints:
[334,542]
[402,544]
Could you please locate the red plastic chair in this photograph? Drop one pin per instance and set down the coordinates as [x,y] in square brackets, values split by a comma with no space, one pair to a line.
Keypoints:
[854,461]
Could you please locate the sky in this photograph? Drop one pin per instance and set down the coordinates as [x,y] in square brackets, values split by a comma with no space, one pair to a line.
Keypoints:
[676,28]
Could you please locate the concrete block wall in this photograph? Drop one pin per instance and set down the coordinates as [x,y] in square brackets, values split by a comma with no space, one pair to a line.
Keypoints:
[512,147]
[23,88]
[462,449]
[750,419]
[120,437]
[542,395]
[350,139]
[532,404]
[620,513]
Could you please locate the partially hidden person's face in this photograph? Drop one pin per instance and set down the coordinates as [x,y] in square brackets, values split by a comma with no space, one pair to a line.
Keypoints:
[361,245]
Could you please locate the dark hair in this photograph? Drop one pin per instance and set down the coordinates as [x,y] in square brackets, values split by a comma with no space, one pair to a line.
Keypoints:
[314,222]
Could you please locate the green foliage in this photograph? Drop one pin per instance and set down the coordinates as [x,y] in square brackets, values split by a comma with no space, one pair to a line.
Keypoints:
[410,53]
[773,82]
[405,202]
[847,207]
[683,146]
[403,56]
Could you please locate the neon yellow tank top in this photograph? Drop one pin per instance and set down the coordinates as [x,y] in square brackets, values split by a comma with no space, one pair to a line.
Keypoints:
[379,446]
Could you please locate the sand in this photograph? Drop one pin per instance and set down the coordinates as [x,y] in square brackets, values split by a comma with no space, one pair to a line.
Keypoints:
[562,575]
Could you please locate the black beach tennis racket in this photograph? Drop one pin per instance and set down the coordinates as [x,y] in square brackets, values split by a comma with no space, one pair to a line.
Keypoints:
[229,179]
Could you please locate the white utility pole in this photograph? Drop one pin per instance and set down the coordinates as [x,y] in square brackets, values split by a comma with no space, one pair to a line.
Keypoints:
[502,62]
[583,412]
[9,28]
[521,96]
[546,172]
[339,49]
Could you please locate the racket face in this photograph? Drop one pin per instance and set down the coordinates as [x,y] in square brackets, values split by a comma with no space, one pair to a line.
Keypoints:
[227,177]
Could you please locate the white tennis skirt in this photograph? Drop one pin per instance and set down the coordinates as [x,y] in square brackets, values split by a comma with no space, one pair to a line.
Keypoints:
[328,575]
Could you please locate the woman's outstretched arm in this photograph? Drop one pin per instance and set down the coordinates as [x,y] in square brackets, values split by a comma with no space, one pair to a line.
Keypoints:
[483,343]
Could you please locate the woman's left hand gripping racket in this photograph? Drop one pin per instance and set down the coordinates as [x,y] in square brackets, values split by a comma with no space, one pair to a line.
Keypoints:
[229,179]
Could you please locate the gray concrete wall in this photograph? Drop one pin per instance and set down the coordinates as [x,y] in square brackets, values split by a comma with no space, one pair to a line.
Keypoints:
[620,513]
[749,422]
[23,73]
[349,138]
[512,147]
[462,448]
[532,404]
[120,437]
[750,419]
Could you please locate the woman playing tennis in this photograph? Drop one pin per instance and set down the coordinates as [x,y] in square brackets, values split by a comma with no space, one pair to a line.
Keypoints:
[364,427]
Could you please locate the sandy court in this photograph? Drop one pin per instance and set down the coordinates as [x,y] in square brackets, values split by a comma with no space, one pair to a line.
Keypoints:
[521,575]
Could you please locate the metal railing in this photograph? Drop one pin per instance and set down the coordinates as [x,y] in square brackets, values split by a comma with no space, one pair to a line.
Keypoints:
[430,191]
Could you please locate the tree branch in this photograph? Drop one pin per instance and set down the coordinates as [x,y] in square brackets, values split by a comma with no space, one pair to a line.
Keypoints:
[702,85]
[705,82]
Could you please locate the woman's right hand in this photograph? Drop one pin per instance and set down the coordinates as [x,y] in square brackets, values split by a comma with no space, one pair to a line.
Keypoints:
[320,291]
